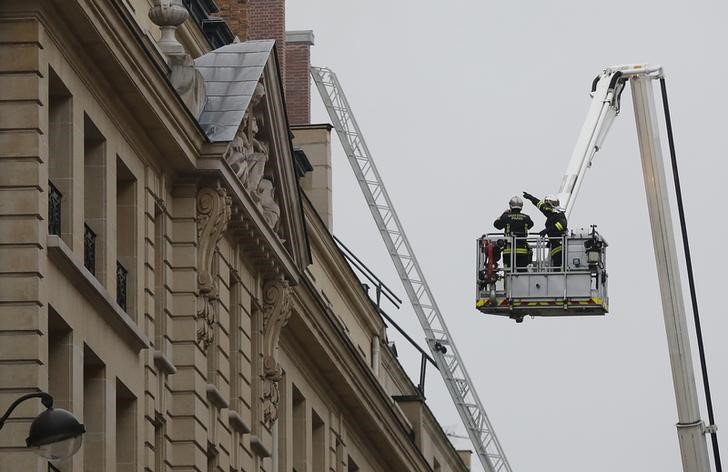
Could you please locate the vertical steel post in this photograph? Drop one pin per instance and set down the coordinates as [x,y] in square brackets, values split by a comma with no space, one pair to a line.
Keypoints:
[690,428]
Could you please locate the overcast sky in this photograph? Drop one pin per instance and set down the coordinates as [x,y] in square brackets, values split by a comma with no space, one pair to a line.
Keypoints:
[466,103]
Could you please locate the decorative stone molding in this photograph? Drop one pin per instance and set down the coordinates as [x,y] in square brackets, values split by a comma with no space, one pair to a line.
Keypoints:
[213,216]
[276,312]
[215,397]
[164,363]
[259,449]
[237,422]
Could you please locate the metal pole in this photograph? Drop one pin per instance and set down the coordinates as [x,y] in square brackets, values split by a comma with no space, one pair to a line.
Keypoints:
[691,279]
[690,428]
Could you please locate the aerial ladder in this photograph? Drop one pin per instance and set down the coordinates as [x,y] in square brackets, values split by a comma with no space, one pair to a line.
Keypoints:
[606,92]
[440,342]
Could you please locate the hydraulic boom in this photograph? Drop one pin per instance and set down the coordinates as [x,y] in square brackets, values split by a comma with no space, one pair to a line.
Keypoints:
[606,93]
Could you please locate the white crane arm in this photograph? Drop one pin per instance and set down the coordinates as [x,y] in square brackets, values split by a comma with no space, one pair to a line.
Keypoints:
[606,92]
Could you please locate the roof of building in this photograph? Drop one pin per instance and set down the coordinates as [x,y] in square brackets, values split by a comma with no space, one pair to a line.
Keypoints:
[230,74]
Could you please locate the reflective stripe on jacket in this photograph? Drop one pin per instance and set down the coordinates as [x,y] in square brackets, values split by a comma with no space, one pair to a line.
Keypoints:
[514,223]
[555,220]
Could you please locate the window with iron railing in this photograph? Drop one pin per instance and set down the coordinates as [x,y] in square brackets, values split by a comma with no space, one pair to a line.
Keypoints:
[89,249]
[54,209]
[121,279]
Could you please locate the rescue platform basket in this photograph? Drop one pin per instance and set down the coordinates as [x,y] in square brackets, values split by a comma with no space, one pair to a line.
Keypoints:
[524,276]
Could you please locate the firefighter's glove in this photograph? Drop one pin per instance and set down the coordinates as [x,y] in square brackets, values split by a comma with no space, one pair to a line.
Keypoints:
[530,197]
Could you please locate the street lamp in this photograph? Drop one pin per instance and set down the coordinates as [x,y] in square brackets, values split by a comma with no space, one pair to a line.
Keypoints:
[55,434]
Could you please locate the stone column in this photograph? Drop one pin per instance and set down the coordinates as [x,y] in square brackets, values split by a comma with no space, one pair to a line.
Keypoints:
[188,409]
[23,231]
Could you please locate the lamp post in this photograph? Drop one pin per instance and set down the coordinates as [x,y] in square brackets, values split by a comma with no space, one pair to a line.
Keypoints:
[55,434]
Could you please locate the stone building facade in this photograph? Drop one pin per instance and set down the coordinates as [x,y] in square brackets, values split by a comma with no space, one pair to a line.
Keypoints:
[167,268]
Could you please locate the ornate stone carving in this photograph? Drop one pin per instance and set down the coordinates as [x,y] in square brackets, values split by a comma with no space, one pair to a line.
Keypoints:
[248,156]
[187,81]
[271,210]
[255,160]
[213,215]
[276,312]
[168,15]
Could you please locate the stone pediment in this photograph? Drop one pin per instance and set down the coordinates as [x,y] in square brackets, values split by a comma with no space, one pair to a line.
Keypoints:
[244,108]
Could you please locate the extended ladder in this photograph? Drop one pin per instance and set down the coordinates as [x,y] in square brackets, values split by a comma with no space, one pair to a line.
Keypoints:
[438,338]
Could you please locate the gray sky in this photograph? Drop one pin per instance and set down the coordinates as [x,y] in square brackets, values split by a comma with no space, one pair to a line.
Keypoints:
[466,103]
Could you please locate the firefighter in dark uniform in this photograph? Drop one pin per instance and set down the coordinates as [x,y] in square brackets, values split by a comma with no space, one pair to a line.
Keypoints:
[515,223]
[555,226]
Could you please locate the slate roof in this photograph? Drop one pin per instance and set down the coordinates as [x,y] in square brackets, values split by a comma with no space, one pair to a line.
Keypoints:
[230,74]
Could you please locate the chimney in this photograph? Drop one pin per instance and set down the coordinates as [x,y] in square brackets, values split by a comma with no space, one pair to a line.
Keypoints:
[257,19]
[267,20]
[315,141]
[235,14]
[298,82]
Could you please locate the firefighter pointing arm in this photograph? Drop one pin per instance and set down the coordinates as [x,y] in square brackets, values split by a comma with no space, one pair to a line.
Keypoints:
[555,227]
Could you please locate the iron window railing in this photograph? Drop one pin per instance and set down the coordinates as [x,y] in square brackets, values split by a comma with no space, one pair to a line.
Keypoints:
[121,280]
[89,249]
[54,209]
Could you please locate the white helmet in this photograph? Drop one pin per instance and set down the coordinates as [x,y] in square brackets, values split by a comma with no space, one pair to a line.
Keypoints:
[516,203]
[551,200]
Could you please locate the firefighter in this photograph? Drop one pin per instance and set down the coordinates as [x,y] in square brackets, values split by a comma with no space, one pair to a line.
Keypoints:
[515,223]
[555,226]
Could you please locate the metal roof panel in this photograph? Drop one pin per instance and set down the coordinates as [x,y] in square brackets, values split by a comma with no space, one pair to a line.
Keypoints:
[230,74]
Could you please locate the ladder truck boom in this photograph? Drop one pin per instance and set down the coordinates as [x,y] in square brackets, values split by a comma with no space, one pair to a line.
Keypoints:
[439,340]
[605,105]
[606,93]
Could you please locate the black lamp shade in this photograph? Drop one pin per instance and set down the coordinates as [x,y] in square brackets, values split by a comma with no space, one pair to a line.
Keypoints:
[55,434]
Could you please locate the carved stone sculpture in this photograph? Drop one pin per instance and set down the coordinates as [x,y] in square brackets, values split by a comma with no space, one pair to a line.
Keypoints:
[187,81]
[213,216]
[256,160]
[248,153]
[239,148]
[168,15]
[248,156]
[276,312]
[271,210]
